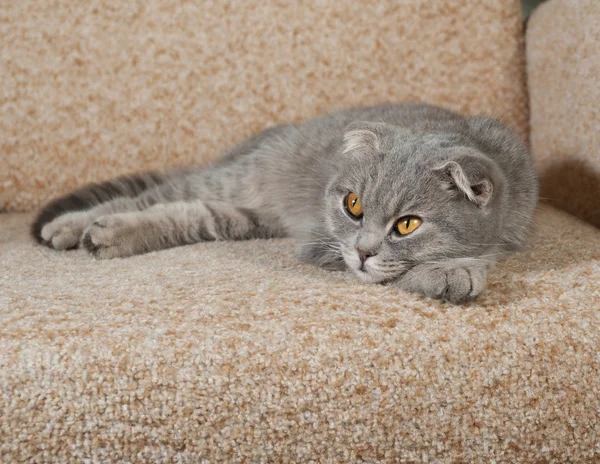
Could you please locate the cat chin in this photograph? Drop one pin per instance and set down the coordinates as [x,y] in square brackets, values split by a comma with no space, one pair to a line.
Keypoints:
[352,263]
[366,277]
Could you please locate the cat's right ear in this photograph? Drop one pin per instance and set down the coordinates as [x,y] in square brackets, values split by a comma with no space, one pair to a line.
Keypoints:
[363,138]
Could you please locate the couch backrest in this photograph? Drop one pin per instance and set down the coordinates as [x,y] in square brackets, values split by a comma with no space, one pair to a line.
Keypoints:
[563,55]
[94,89]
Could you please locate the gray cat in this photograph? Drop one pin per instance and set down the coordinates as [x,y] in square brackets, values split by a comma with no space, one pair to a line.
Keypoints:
[406,194]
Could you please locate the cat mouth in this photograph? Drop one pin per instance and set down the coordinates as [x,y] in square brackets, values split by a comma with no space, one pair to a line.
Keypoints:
[373,278]
[364,270]
[371,275]
[367,275]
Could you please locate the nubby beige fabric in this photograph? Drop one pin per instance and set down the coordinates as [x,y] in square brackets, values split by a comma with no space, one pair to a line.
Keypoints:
[563,66]
[98,88]
[235,352]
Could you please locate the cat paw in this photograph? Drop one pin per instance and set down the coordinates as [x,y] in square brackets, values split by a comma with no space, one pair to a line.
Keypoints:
[111,236]
[65,232]
[450,282]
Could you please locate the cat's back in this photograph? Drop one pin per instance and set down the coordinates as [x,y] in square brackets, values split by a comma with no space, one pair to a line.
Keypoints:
[323,135]
[306,153]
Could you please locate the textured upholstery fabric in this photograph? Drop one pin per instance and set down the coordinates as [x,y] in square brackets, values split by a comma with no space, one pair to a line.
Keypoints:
[563,56]
[98,88]
[235,352]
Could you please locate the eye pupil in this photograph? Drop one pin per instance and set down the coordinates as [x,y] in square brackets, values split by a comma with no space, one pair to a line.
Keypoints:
[353,206]
[406,225]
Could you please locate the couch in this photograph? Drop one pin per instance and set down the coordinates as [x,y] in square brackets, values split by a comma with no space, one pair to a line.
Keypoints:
[237,352]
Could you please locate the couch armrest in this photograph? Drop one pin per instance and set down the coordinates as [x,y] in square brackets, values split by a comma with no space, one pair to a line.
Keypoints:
[563,66]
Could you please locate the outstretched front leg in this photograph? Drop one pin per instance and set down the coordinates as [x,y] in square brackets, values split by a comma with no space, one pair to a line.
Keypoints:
[173,224]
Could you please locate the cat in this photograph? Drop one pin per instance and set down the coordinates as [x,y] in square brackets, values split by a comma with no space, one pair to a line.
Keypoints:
[409,195]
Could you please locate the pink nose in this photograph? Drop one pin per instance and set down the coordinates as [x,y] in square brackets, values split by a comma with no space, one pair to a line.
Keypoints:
[363,255]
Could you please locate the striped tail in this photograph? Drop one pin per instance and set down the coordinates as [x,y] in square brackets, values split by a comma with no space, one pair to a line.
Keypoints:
[94,194]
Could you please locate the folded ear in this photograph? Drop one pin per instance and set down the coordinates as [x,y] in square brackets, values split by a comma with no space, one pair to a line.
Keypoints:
[476,177]
[363,137]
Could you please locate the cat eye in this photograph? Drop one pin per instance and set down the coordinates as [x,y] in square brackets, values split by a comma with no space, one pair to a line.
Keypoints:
[407,224]
[353,206]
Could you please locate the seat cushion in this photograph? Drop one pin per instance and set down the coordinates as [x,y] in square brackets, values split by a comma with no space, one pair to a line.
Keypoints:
[236,352]
[98,88]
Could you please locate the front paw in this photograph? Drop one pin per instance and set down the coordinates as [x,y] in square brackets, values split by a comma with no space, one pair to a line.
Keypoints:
[451,281]
[111,236]
[65,231]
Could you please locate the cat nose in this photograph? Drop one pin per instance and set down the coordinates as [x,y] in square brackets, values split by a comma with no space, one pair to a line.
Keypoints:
[364,255]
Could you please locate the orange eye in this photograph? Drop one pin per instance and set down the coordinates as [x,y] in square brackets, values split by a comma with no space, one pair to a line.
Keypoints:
[353,206]
[408,224]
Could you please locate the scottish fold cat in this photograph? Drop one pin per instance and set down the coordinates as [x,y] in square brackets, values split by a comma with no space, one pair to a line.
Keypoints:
[409,195]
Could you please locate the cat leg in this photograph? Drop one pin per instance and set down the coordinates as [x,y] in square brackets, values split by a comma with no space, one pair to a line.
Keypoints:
[453,280]
[66,231]
[173,224]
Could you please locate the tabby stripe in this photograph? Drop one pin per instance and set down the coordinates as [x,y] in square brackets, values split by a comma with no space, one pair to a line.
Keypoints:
[257,228]
[204,234]
[92,195]
[213,214]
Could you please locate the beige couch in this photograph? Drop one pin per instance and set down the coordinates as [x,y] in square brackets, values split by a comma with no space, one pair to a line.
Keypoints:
[236,352]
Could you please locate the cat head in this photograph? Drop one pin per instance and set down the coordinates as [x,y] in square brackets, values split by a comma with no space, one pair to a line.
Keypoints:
[403,197]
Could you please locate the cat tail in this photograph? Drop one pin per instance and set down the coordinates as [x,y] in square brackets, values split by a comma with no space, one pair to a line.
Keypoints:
[94,194]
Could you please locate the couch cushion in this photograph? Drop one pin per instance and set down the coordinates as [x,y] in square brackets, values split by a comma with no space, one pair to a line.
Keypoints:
[563,65]
[235,352]
[98,88]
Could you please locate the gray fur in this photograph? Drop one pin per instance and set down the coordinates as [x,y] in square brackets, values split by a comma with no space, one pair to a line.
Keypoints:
[470,180]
